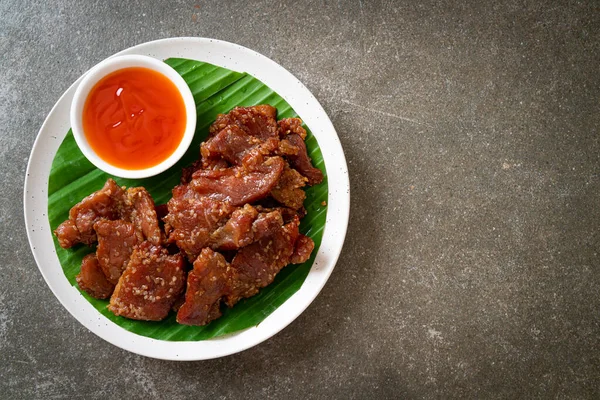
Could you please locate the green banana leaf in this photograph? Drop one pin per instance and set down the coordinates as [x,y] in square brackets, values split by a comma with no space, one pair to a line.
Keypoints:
[216,90]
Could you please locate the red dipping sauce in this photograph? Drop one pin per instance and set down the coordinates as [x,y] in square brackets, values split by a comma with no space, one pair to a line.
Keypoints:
[134,118]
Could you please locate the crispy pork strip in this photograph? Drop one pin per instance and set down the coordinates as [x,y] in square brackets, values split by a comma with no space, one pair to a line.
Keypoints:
[256,265]
[236,147]
[236,185]
[288,190]
[150,284]
[302,249]
[192,219]
[257,121]
[237,231]
[206,285]
[301,161]
[92,280]
[116,240]
[288,126]
[105,203]
[141,211]
[213,280]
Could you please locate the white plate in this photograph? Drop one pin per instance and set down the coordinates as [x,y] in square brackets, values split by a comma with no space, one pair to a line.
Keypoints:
[236,58]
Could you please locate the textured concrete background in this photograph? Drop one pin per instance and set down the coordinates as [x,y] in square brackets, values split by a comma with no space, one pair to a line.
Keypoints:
[471,264]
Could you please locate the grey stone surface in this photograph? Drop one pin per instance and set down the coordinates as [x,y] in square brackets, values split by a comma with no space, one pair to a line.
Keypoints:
[471,264]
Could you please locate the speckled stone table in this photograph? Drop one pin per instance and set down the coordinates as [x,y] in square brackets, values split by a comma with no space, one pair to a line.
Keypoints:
[471,264]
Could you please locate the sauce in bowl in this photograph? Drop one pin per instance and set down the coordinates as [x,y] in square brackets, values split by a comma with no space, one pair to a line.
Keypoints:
[134,118]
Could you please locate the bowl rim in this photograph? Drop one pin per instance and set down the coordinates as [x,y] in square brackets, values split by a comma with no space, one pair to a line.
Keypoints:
[114,64]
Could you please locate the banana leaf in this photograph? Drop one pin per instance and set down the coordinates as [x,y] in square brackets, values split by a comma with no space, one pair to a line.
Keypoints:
[215,90]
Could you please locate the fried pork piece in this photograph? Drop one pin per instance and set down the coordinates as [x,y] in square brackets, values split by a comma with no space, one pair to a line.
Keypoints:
[92,279]
[193,218]
[300,160]
[302,249]
[207,283]
[257,121]
[288,214]
[116,240]
[266,224]
[213,280]
[237,147]
[288,190]
[150,284]
[256,265]
[214,163]
[237,231]
[288,126]
[141,211]
[106,203]
[195,222]
[67,234]
[286,149]
[236,185]
[230,144]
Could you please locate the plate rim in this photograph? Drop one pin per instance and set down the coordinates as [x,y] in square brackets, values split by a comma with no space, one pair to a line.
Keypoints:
[320,271]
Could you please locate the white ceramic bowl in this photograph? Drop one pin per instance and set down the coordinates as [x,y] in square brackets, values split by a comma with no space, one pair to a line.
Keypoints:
[109,66]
